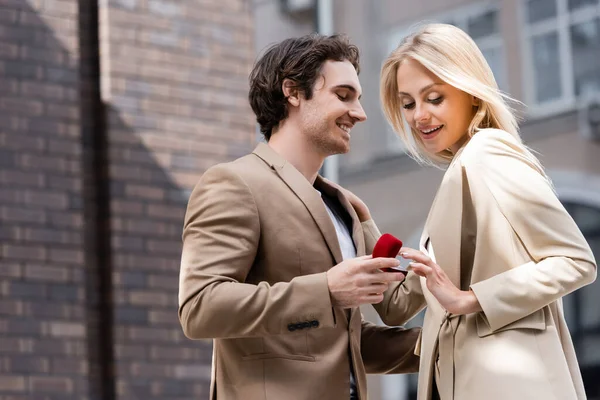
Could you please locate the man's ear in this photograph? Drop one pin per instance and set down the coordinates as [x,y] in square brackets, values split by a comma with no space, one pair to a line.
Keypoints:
[291,92]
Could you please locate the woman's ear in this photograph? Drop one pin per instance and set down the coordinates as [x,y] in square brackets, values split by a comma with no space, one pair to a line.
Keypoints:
[475,101]
[290,92]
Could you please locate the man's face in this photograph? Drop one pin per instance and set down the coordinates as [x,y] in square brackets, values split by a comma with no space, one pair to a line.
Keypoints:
[328,117]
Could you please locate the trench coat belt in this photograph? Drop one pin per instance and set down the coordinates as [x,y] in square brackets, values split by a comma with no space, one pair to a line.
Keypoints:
[446,355]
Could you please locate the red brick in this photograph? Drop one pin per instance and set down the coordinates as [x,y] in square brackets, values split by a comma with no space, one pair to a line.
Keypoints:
[19,252]
[13,214]
[19,178]
[69,366]
[164,246]
[124,207]
[46,273]
[64,329]
[66,256]
[166,212]
[150,298]
[10,270]
[45,384]
[14,383]
[163,318]
[144,192]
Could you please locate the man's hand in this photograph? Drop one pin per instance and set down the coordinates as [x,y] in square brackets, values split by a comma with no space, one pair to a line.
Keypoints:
[361,280]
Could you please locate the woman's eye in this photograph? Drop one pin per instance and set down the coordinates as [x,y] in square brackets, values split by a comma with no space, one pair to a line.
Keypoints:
[437,100]
[408,106]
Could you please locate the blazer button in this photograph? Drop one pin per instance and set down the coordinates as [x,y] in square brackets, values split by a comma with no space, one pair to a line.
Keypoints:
[305,325]
[314,323]
[291,327]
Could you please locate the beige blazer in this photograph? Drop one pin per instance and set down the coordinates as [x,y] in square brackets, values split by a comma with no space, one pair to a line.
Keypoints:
[497,227]
[257,243]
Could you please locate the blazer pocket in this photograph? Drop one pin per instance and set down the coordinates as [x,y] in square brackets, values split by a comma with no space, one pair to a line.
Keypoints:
[268,356]
[535,321]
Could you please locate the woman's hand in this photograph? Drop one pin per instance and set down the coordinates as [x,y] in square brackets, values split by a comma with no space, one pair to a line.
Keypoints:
[454,300]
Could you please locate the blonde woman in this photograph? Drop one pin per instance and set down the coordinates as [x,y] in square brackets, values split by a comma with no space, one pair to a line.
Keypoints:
[498,250]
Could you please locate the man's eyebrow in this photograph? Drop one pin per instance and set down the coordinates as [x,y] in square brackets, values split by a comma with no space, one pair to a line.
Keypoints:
[348,87]
[423,88]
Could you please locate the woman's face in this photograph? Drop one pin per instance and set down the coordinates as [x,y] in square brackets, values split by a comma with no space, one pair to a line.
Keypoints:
[439,112]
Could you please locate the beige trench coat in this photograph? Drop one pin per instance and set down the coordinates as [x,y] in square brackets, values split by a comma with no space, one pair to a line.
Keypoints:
[497,227]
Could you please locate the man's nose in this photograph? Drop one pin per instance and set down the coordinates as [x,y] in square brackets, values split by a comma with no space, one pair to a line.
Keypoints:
[358,113]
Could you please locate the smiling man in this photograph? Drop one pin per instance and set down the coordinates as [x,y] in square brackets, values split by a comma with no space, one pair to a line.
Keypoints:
[273,265]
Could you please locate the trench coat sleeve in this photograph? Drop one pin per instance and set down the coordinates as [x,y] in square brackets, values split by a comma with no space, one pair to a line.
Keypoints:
[401,301]
[562,261]
[220,242]
[389,350]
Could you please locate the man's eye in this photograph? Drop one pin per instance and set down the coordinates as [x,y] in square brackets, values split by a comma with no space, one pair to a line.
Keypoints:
[343,98]
[408,106]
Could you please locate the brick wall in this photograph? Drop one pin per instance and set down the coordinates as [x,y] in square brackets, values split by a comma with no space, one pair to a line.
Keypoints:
[94,181]
[42,272]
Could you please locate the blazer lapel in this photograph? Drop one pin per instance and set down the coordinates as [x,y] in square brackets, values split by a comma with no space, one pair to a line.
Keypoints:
[306,193]
[335,190]
[444,223]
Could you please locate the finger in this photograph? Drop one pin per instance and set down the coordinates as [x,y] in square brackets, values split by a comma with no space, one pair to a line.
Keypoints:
[388,277]
[416,255]
[373,299]
[377,288]
[379,263]
[357,264]
[420,269]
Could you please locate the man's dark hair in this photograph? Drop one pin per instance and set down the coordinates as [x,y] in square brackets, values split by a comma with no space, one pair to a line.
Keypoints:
[300,60]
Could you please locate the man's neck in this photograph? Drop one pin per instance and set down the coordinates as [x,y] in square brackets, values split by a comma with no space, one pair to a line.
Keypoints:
[291,146]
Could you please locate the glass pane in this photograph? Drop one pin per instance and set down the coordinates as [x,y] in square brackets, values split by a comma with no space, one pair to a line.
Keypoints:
[569,309]
[590,312]
[494,57]
[575,4]
[540,10]
[593,241]
[587,218]
[483,25]
[585,42]
[590,350]
[546,67]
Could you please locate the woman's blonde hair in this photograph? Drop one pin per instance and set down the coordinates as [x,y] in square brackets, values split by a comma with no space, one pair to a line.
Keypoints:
[453,56]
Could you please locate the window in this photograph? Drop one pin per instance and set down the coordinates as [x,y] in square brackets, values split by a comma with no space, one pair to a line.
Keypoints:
[581,307]
[482,23]
[483,26]
[561,52]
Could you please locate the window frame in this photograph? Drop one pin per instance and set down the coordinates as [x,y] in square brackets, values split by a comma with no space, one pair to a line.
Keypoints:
[561,24]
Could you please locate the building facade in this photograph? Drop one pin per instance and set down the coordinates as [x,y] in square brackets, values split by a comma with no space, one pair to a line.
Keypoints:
[109,113]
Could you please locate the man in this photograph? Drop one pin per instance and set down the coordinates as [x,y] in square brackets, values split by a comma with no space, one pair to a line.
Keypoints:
[269,267]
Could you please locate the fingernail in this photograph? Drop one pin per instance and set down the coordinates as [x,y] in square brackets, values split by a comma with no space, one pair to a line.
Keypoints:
[403,254]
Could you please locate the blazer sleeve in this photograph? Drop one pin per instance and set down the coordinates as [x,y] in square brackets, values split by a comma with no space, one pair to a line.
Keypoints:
[389,350]
[561,259]
[402,300]
[220,241]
